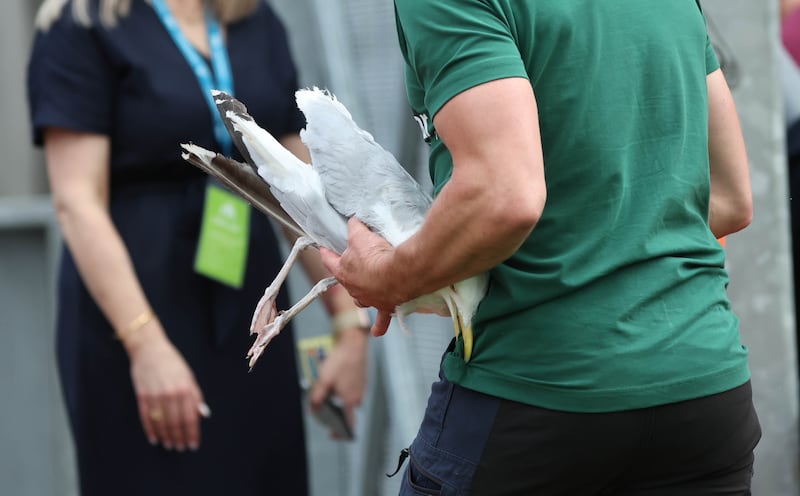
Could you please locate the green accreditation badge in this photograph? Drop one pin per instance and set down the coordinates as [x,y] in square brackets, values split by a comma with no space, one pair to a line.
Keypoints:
[224,237]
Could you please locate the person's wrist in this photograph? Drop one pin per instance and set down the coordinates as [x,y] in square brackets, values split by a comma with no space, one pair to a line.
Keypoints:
[354,320]
[405,274]
[135,325]
[145,336]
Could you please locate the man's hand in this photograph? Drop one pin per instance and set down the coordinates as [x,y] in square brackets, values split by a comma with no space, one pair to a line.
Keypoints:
[365,270]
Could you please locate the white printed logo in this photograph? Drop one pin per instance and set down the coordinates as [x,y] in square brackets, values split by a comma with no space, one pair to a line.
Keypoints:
[422,121]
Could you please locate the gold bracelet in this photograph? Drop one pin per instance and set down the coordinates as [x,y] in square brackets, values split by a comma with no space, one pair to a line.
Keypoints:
[140,321]
[348,319]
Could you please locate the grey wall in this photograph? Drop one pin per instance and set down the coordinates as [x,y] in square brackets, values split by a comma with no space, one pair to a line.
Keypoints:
[35,447]
[18,175]
[35,450]
[759,257]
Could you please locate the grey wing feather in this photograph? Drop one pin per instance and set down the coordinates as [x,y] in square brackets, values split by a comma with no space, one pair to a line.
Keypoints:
[389,200]
[321,223]
[361,178]
[289,180]
[242,180]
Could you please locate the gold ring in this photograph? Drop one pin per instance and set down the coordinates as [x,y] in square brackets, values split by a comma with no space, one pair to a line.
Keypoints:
[156,414]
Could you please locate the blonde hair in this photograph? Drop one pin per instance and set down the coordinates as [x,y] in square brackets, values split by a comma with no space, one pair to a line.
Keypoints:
[227,11]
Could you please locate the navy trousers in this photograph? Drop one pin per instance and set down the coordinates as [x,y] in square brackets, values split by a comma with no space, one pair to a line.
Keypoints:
[472,443]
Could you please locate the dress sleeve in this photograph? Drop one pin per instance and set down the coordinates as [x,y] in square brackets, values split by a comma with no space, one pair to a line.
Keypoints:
[281,54]
[69,80]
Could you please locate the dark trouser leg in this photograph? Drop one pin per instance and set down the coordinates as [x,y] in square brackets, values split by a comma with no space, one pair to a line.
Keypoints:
[472,443]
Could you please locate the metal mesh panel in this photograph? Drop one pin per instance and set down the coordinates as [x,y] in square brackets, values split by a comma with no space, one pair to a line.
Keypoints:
[373,73]
[355,44]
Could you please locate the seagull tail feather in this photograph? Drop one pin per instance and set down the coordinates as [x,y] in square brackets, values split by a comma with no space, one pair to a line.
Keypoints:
[466,335]
[459,326]
[272,161]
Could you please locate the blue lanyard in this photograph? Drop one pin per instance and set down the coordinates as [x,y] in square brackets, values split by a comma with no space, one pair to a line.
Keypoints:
[221,79]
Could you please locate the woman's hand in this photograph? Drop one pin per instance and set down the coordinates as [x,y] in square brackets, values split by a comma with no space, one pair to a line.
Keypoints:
[170,401]
[344,372]
[168,395]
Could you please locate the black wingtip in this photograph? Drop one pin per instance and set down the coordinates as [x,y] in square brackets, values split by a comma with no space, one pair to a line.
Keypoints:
[226,103]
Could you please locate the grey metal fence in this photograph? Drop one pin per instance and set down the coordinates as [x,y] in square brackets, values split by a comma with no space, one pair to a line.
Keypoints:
[349,46]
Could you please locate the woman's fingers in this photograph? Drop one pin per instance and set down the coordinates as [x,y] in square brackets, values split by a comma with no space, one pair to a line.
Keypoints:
[147,423]
[157,416]
[173,420]
[191,421]
[170,400]
[175,423]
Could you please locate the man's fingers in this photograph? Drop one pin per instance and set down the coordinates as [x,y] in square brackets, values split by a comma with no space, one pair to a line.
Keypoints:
[354,225]
[330,259]
[381,324]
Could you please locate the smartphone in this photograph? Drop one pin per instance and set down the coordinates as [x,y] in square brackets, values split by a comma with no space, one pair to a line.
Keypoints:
[331,414]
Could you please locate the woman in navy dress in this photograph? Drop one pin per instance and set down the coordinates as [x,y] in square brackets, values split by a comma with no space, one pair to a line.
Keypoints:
[144,342]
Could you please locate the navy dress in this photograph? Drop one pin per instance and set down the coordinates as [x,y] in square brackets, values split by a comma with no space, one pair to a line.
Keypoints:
[131,82]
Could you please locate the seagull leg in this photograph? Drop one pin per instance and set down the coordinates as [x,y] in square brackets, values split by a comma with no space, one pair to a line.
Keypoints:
[274,327]
[265,310]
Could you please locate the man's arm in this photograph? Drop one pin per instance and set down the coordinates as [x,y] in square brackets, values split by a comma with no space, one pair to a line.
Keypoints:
[496,193]
[731,206]
[482,215]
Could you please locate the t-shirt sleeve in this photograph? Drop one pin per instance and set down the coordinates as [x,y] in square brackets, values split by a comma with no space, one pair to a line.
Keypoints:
[454,45]
[712,64]
[69,80]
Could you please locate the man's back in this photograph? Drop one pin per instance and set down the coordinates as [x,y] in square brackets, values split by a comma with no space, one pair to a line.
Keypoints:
[617,299]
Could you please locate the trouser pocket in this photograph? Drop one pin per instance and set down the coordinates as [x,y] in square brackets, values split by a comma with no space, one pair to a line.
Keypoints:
[421,481]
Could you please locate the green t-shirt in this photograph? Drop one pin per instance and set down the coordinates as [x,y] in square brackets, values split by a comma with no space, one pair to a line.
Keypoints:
[618,298]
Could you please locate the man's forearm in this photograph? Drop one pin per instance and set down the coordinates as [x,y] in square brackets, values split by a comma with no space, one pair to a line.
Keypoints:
[469,229]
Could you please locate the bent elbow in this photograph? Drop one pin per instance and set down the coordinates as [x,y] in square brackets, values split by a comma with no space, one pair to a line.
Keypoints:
[522,213]
[742,213]
[732,219]
[744,217]
[63,209]
[531,212]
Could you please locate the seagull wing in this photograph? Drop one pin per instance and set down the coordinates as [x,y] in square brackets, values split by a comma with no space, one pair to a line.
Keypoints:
[242,180]
[352,176]
[361,178]
[295,184]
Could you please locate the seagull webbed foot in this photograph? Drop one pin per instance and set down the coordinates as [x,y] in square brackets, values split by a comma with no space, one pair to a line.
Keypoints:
[276,325]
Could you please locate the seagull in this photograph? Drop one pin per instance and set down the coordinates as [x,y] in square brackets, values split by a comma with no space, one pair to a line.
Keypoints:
[350,175]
